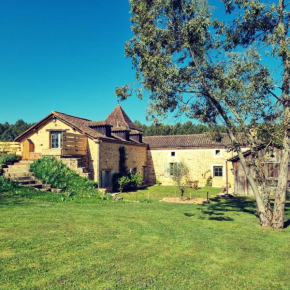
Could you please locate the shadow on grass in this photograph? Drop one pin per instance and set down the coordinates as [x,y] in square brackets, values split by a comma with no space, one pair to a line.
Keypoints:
[8,200]
[237,204]
[287,214]
[218,206]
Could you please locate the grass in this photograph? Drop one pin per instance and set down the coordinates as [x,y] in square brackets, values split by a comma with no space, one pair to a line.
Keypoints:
[156,193]
[46,244]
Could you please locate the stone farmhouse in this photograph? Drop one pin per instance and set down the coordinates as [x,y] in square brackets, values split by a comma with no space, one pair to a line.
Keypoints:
[92,149]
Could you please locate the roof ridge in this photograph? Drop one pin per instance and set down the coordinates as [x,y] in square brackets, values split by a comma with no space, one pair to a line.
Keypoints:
[72,116]
[181,135]
[119,118]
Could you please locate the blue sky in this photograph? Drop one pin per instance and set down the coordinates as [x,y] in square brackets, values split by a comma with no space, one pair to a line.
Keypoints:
[67,56]
[64,55]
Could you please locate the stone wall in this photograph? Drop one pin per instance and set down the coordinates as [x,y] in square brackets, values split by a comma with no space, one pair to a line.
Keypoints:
[109,156]
[200,163]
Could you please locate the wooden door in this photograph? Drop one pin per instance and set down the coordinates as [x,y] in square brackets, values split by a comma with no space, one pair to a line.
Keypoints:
[28,147]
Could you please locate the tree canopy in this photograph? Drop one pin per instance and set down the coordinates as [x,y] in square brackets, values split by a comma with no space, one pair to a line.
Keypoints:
[191,63]
[176,129]
[8,132]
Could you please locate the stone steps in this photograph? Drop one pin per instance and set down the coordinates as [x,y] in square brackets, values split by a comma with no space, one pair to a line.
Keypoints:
[20,173]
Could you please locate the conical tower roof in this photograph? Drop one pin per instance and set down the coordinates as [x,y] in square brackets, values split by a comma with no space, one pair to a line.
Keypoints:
[118,118]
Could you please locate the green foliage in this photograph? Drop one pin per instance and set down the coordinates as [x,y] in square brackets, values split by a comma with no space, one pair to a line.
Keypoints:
[60,176]
[176,129]
[158,182]
[135,180]
[123,181]
[8,132]
[129,182]
[6,185]
[216,71]
[11,157]
[123,170]
[179,172]
[209,181]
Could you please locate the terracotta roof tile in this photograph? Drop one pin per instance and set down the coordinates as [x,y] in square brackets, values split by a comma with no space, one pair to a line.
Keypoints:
[98,123]
[118,118]
[194,140]
[82,125]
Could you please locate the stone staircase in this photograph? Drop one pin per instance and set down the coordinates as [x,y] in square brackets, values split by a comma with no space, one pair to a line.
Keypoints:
[77,164]
[20,172]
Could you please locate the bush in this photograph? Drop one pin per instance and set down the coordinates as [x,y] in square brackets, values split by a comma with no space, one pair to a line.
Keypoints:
[54,172]
[6,185]
[158,182]
[123,182]
[126,182]
[11,157]
[209,181]
[135,181]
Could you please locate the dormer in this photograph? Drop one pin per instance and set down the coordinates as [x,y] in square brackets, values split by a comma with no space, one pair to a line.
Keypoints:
[101,127]
[121,132]
[136,136]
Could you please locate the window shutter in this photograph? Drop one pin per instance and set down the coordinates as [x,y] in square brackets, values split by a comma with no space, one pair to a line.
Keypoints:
[167,170]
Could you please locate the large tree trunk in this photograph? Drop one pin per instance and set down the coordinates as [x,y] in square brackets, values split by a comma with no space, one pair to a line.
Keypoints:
[280,198]
[265,215]
[281,191]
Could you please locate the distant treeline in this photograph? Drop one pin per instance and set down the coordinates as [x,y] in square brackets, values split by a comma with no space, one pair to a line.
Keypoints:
[8,132]
[177,129]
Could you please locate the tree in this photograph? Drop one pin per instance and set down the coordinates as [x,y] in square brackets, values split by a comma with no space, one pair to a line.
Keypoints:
[8,132]
[191,63]
[180,174]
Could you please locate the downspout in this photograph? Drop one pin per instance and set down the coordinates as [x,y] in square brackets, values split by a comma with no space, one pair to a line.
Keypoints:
[97,174]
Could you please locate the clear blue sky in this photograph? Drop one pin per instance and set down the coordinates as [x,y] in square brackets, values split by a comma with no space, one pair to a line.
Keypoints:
[67,56]
[64,55]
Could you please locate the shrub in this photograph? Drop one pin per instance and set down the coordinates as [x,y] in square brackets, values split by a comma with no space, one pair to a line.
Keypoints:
[135,181]
[209,181]
[6,185]
[127,182]
[158,182]
[123,182]
[54,172]
[11,157]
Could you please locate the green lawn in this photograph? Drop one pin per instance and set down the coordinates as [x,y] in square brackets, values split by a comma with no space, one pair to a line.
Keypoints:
[128,245]
[156,193]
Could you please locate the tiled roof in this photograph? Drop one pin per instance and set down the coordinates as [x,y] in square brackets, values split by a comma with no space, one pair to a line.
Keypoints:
[82,125]
[182,141]
[118,118]
[98,123]
[79,123]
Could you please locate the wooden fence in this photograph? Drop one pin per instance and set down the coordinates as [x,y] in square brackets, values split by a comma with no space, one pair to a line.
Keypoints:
[74,144]
[10,147]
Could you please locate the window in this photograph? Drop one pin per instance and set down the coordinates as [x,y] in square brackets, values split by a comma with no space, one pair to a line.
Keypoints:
[172,153]
[217,152]
[56,139]
[171,168]
[134,170]
[217,171]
